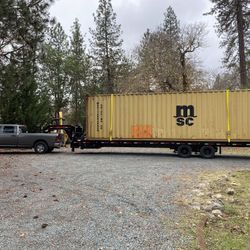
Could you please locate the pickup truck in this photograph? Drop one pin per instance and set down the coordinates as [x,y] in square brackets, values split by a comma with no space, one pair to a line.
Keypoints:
[17,136]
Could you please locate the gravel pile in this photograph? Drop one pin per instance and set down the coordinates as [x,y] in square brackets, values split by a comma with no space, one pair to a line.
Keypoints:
[106,199]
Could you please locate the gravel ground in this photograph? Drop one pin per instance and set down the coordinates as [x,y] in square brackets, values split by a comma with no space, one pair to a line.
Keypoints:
[105,199]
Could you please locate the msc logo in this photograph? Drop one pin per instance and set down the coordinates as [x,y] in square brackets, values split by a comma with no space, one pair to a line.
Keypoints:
[185,115]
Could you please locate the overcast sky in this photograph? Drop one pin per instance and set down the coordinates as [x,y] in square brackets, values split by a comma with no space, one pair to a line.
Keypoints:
[136,16]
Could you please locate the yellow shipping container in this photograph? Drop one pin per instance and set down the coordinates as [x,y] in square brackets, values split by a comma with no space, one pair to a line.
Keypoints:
[212,116]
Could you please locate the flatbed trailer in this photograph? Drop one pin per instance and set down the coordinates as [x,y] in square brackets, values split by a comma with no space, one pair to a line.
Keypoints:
[193,122]
[183,149]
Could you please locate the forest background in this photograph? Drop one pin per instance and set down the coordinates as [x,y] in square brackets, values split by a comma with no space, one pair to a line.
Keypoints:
[44,71]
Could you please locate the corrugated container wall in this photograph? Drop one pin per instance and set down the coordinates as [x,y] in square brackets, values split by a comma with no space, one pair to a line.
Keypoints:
[195,116]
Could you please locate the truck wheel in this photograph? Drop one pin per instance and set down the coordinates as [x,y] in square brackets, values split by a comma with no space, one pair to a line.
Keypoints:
[184,151]
[41,147]
[207,152]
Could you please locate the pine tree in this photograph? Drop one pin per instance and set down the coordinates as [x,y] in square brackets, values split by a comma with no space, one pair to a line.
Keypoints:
[172,30]
[54,68]
[79,74]
[106,46]
[25,23]
[7,23]
[171,25]
[22,22]
[233,24]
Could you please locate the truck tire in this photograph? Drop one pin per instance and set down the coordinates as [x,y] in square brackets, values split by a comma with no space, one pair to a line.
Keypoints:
[184,151]
[41,147]
[207,152]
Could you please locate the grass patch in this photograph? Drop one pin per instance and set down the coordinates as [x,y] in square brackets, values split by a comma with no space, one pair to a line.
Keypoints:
[233,230]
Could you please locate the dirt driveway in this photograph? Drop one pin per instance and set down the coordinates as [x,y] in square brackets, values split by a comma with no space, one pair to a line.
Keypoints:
[107,199]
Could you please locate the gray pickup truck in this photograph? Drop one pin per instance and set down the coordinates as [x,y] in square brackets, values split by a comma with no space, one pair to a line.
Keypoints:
[16,136]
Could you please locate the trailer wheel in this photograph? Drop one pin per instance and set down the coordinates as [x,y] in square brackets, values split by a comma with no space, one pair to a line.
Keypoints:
[184,151]
[207,152]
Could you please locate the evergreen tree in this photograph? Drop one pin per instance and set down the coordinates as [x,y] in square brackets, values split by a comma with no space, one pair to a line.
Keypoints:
[7,23]
[25,23]
[171,25]
[9,106]
[79,73]
[171,28]
[22,23]
[233,23]
[54,68]
[106,47]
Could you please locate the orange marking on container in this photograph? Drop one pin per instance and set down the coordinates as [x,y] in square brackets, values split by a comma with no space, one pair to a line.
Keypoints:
[142,131]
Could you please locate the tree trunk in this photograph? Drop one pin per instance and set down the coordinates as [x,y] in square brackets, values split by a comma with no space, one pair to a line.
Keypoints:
[109,85]
[184,72]
[110,88]
[241,41]
[76,103]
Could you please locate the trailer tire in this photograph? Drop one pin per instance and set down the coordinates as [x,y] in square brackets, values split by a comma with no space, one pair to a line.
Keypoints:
[207,152]
[41,147]
[184,151]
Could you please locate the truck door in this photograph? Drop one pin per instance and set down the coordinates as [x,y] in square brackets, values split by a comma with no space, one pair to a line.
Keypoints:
[8,136]
[24,139]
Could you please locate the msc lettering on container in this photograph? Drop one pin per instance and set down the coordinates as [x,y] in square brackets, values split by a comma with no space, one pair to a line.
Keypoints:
[185,115]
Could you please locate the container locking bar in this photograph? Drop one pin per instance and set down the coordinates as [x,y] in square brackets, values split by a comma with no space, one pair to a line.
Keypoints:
[228,117]
[111,117]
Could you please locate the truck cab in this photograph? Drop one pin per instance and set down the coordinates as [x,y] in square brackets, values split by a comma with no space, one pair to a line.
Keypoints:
[8,135]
